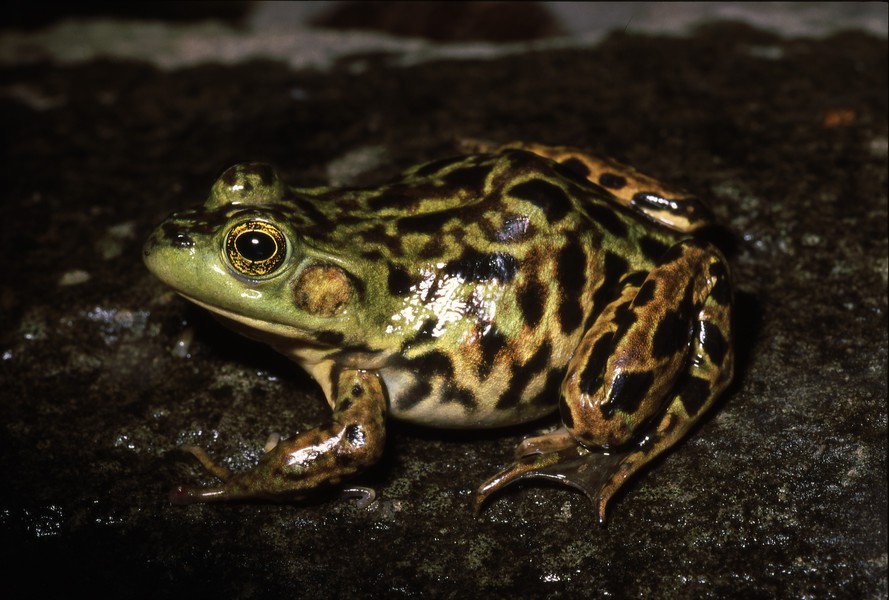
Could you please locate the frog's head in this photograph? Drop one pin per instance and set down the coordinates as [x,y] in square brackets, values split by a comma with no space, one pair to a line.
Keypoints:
[240,256]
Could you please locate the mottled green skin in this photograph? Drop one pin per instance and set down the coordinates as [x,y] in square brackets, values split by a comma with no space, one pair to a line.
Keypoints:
[479,290]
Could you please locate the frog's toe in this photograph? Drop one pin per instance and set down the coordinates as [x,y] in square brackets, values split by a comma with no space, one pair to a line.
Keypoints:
[575,466]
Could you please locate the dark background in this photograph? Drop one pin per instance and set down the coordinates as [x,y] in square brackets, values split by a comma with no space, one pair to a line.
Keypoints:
[780,492]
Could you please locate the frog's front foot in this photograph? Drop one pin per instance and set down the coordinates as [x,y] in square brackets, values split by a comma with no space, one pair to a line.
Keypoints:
[291,468]
[591,472]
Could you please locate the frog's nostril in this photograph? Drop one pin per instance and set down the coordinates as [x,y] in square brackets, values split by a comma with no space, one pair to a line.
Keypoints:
[182,240]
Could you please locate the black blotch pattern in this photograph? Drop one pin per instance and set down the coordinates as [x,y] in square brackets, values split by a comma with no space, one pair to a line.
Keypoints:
[469,177]
[570,314]
[614,268]
[627,392]
[491,343]
[522,375]
[670,335]
[634,279]
[435,362]
[607,218]
[694,395]
[463,397]
[550,388]
[355,435]
[612,181]
[390,197]
[531,301]
[425,331]
[423,223]
[550,198]
[713,341]
[645,293]
[652,248]
[399,282]
[476,267]
[344,405]
[591,376]
[576,166]
[415,394]
[572,274]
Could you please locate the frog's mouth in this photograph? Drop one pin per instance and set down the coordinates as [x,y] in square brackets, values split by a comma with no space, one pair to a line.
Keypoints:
[261,330]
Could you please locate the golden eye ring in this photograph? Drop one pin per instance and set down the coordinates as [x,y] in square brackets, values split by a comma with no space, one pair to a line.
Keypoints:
[256,248]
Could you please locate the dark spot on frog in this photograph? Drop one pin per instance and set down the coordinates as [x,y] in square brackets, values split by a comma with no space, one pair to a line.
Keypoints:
[315,216]
[612,181]
[433,248]
[634,279]
[356,390]
[474,266]
[576,167]
[550,388]
[532,297]
[645,293]
[435,362]
[424,333]
[392,197]
[627,391]
[399,281]
[670,336]
[522,374]
[355,435]
[591,376]
[428,223]
[344,405]
[462,396]
[469,177]
[625,316]
[606,217]
[570,314]
[614,267]
[652,248]
[713,341]
[415,394]
[550,198]
[572,274]
[491,344]
[694,394]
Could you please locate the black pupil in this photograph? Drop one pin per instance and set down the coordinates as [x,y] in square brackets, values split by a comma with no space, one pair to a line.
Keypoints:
[256,246]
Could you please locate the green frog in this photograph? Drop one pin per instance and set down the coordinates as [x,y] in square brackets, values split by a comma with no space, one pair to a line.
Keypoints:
[479,291]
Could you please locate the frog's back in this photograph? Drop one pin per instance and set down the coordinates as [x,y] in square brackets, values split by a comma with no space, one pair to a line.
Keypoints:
[488,269]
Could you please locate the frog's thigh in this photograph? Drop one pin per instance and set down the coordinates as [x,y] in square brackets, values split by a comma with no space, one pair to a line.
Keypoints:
[670,206]
[669,343]
[669,355]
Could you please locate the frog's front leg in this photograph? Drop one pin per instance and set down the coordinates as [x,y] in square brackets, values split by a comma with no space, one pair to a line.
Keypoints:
[323,456]
[647,370]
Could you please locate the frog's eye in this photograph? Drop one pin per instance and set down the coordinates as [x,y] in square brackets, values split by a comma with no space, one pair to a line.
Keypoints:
[256,248]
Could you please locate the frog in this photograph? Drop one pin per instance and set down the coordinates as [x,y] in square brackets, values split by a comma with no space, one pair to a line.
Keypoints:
[485,290]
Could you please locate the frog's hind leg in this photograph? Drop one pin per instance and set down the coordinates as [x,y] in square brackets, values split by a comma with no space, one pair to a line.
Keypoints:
[670,206]
[291,468]
[646,371]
